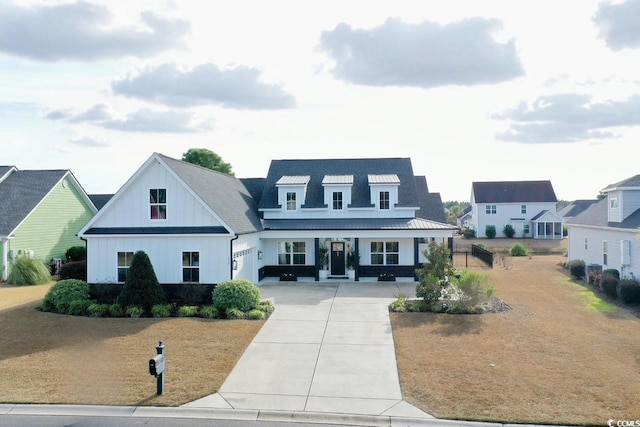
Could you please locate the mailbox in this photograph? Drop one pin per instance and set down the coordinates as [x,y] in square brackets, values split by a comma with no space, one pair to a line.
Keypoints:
[156,365]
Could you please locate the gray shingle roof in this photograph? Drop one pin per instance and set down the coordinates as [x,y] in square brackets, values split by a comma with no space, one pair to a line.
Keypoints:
[359,168]
[225,195]
[513,192]
[21,192]
[596,215]
[634,181]
[576,207]
[430,203]
[4,170]
[99,200]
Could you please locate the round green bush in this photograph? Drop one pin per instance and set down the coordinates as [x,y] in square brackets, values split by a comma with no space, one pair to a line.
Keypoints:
[58,299]
[509,231]
[518,250]
[73,270]
[469,233]
[490,231]
[235,313]
[609,285]
[239,293]
[76,253]
[209,312]
[577,268]
[256,314]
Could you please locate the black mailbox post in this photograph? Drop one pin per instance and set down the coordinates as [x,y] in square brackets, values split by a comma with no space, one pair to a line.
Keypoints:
[156,367]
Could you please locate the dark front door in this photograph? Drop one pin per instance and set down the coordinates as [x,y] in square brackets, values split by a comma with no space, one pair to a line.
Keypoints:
[337,259]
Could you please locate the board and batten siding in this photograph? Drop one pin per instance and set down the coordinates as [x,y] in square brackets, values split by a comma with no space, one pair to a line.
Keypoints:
[165,254]
[52,226]
[131,208]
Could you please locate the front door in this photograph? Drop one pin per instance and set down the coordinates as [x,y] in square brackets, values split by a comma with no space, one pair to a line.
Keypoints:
[337,259]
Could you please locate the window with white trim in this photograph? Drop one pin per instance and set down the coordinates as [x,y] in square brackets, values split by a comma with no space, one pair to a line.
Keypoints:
[526,229]
[491,209]
[385,253]
[337,200]
[191,267]
[523,209]
[291,201]
[586,243]
[384,200]
[124,262]
[292,253]
[605,250]
[158,203]
[613,203]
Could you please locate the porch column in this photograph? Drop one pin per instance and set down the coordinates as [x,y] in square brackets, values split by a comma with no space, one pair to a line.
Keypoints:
[356,247]
[416,257]
[5,259]
[316,245]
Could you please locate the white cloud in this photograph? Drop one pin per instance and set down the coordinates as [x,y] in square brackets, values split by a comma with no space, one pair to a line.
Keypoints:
[568,118]
[88,142]
[143,120]
[238,87]
[619,24]
[83,31]
[422,55]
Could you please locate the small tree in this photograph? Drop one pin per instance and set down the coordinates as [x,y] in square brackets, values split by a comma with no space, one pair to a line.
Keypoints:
[141,287]
[434,275]
[490,231]
[207,159]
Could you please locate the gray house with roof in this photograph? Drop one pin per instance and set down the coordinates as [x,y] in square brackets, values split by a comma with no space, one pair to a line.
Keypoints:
[607,233]
[314,219]
[528,206]
[41,211]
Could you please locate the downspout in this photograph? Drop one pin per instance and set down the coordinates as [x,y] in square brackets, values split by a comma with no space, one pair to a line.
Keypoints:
[4,274]
[231,256]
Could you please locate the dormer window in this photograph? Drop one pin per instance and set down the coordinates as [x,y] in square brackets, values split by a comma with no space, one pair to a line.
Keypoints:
[337,201]
[291,201]
[158,203]
[613,203]
[384,200]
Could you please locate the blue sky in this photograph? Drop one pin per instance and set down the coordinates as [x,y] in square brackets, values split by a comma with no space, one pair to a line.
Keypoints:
[471,91]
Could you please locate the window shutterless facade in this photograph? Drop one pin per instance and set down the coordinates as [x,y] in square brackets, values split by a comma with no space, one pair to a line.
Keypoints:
[292,253]
[124,262]
[384,200]
[158,203]
[523,209]
[291,201]
[385,253]
[191,267]
[491,209]
[337,200]
[605,256]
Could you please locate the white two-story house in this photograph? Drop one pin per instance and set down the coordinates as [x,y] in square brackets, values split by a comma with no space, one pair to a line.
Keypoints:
[607,233]
[528,206]
[369,216]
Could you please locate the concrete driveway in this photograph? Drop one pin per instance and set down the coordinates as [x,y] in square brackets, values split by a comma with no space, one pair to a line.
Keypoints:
[328,347]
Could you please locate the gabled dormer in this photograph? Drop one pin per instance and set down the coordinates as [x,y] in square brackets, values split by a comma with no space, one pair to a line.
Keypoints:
[337,191]
[384,191]
[623,199]
[292,191]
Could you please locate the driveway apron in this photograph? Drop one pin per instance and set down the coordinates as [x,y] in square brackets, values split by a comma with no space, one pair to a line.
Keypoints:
[328,347]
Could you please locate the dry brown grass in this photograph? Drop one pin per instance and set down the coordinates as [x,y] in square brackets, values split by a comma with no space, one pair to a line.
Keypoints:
[51,358]
[560,356]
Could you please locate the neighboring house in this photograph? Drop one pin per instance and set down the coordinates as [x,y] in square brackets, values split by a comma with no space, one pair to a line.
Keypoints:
[198,225]
[41,211]
[528,206]
[607,233]
[99,200]
[466,219]
[575,208]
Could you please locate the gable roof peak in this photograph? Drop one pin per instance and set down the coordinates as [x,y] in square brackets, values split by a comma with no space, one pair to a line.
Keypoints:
[633,182]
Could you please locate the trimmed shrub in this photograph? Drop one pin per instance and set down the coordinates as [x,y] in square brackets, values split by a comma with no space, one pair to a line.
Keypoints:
[518,250]
[161,310]
[629,291]
[58,299]
[76,253]
[105,292]
[78,307]
[609,285]
[73,270]
[473,289]
[141,287]
[612,271]
[209,312]
[255,314]
[266,306]
[26,271]
[577,268]
[509,231]
[235,313]
[398,306]
[469,233]
[490,231]
[239,293]
[116,310]
[188,311]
